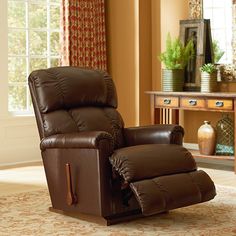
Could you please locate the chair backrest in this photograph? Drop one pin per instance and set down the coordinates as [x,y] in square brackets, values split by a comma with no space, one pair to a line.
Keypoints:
[72,99]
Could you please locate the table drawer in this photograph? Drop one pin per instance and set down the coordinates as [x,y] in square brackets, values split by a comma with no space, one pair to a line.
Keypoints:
[192,102]
[220,104]
[167,101]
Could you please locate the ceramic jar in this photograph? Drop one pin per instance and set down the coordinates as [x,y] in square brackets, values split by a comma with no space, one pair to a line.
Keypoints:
[206,139]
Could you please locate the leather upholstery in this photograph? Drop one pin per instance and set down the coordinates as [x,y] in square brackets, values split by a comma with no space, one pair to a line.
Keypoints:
[171,134]
[162,176]
[151,160]
[173,191]
[88,139]
[114,170]
[68,87]
[71,99]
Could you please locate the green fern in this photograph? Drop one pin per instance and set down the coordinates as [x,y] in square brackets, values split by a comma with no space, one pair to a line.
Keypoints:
[176,55]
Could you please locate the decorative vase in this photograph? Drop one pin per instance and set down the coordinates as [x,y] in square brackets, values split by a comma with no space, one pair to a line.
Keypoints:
[209,82]
[206,139]
[172,80]
[225,136]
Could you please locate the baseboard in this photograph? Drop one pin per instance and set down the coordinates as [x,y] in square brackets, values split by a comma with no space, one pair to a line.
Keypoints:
[21,164]
[192,146]
[215,166]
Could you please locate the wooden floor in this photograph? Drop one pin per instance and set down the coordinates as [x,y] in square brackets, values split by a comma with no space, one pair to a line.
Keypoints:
[30,178]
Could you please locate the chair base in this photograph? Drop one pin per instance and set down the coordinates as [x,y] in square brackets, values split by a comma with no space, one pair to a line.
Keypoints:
[105,221]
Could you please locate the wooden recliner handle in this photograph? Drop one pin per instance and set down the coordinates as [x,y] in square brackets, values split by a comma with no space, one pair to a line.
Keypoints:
[71,198]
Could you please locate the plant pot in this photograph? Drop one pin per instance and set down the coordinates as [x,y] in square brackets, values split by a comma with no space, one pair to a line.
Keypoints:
[172,80]
[209,82]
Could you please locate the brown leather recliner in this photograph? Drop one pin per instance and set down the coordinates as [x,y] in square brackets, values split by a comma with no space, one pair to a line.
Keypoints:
[96,166]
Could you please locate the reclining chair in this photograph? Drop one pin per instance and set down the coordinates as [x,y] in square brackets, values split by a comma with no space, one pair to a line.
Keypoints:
[95,166]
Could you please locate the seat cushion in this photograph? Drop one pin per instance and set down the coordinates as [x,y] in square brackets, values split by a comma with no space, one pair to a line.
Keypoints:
[173,191]
[151,160]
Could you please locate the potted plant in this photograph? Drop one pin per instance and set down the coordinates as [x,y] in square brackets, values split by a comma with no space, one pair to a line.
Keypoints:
[208,78]
[175,58]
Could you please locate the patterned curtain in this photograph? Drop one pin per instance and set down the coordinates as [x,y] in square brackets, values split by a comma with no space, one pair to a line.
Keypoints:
[83,38]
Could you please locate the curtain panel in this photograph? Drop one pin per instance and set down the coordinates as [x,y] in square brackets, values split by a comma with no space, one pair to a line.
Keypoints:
[83,35]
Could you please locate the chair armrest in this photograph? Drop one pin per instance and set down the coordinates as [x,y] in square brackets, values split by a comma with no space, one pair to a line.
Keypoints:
[162,134]
[87,139]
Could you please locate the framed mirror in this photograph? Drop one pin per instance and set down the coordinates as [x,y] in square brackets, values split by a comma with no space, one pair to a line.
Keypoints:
[222,15]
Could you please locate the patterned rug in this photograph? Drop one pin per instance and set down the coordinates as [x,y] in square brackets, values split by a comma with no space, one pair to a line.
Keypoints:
[27,214]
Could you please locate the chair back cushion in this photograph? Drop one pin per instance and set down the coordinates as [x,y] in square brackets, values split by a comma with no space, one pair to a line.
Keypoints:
[72,99]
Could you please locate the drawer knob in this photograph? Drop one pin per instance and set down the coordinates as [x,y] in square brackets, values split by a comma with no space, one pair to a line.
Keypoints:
[167,101]
[219,104]
[192,102]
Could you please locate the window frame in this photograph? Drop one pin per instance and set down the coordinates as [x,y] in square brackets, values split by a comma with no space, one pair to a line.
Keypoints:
[48,56]
[228,35]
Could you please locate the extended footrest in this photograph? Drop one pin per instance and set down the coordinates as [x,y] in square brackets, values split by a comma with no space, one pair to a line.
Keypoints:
[173,191]
[162,177]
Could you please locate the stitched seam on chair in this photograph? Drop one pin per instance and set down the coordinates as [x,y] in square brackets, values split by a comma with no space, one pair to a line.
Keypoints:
[72,118]
[61,90]
[174,133]
[115,129]
[192,180]
[41,119]
[110,89]
[104,137]
[118,165]
[68,110]
[163,191]
[63,100]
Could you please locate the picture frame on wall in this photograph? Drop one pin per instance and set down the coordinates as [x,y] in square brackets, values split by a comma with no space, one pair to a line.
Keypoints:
[200,31]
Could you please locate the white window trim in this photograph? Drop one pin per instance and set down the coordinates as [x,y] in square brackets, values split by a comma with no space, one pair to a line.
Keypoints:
[49,56]
[5,115]
[3,61]
[229,58]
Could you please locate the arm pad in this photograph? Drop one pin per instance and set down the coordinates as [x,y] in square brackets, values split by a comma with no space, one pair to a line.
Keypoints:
[90,139]
[162,134]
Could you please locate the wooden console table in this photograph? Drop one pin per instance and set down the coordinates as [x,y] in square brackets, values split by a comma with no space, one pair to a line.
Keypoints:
[165,108]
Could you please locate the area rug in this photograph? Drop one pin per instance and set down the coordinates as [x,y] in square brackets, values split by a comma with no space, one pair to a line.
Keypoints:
[27,214]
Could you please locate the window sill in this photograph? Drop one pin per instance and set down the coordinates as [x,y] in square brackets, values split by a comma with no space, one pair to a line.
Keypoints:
[17,119]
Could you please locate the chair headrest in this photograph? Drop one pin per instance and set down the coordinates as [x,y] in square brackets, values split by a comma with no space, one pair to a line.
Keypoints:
[69,87]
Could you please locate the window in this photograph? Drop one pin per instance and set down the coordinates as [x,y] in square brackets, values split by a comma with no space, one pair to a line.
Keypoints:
[33,43]
[220,14]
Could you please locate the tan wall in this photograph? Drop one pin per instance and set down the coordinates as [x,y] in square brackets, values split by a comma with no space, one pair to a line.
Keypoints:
[171,13]
[129,54]
[123,56]
[145,60]
[156,44]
